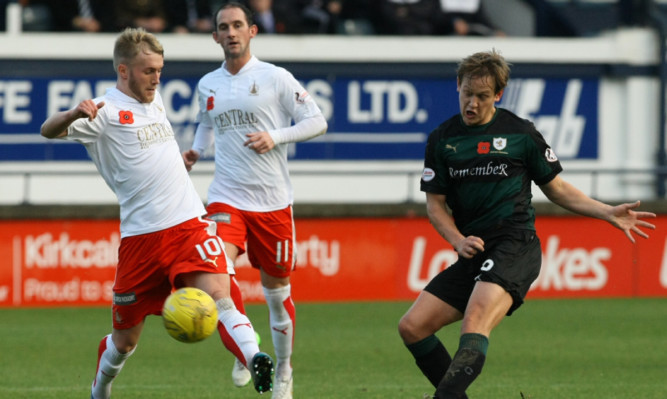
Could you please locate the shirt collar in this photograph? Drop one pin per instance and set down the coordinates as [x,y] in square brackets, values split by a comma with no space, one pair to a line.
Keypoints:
[252,61]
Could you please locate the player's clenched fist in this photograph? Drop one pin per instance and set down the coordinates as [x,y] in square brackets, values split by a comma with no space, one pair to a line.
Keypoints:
[88,108]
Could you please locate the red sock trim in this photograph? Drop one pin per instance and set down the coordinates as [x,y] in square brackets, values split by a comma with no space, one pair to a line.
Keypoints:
[100,350]
[236,294]
[288,303]
[230,344]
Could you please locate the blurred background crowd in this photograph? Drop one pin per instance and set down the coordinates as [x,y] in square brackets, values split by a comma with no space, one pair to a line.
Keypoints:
[563,18]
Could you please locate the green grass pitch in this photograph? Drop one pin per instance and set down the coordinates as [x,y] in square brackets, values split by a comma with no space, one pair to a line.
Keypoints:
[589,349]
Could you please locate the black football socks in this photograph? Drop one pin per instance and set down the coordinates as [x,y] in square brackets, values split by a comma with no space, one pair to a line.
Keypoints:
[431,357]
[464,368]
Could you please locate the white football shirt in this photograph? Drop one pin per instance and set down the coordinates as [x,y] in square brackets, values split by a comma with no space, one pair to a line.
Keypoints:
[133,147]
[260,97]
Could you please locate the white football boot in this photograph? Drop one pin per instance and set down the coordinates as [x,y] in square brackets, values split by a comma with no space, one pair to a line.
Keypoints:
[282,388]
[240,374]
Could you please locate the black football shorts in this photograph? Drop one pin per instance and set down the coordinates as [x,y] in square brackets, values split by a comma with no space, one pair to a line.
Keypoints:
[512,261]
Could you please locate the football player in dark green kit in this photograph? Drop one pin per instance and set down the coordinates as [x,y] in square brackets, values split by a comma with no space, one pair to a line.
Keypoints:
[480,164]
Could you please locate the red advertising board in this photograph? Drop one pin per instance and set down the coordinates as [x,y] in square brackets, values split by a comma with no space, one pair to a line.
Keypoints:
[72,262]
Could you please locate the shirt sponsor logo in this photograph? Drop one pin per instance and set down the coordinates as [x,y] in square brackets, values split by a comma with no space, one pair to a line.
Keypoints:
[428,174]
[124,299]
[220,218]
[235,118]
[155,133]
[490,169]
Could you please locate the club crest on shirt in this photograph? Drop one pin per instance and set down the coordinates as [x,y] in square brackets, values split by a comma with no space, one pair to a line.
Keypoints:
[499,143]
[254,89]
[301,97]
[126,117]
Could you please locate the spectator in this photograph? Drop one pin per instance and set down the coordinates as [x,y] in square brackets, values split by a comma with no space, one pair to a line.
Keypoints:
[410,17]
[355,17]
[320,16]
[549,21]
[271,18]
[82,15]
[467,18]
[189,16]
[35,15]
[634,12]
[3,14]
[147,14]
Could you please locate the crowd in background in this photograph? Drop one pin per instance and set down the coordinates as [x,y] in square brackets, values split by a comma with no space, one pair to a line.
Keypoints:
[352,17]
[272,16]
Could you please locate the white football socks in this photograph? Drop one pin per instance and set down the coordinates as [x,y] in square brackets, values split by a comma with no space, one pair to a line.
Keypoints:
[240,339]
[109,365]
[281,319]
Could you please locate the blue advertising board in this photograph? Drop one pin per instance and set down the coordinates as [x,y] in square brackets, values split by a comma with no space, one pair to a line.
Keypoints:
[370,118]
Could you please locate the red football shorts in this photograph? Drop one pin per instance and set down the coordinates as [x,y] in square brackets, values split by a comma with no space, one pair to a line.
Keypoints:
[269,236]
[149,266]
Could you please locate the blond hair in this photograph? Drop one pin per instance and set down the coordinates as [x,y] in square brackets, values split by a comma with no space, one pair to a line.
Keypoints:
[486,63]
[131,42]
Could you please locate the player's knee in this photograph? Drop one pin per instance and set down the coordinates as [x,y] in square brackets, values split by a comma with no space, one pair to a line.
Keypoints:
[408,330]
[126,340]
[125,346]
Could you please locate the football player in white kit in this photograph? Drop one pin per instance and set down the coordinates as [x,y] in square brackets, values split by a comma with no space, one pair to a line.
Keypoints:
[165,242]
[247,108]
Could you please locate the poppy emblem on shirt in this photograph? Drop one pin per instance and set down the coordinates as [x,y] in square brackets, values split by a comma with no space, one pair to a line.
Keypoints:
[126,117]
[209,103]
[483,147]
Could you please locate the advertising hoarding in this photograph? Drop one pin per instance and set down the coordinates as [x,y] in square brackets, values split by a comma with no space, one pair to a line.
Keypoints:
[72,262]
[370,118]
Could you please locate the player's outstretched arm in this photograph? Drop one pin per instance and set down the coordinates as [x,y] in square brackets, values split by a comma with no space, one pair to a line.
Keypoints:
[56,125]
[625,218]
[621,216]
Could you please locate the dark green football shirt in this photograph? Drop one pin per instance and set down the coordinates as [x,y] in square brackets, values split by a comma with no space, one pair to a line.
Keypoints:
[486,172]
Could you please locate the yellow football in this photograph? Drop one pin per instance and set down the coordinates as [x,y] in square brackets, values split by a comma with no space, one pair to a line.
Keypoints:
[189,315]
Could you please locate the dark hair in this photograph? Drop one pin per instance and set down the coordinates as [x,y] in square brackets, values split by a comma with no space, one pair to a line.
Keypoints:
[234,4]
[487,63]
